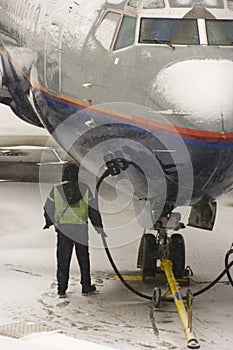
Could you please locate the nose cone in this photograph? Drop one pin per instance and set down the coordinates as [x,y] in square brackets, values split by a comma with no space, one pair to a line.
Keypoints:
[200,89]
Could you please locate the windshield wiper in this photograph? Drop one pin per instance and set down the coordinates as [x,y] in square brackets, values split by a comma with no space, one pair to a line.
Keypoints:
[158,41]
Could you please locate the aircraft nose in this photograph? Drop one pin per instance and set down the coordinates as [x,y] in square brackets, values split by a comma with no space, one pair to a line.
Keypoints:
[200,89]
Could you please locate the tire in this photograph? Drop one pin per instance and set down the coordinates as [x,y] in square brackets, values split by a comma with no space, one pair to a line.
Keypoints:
[150,255]
[157,297]
[177,254]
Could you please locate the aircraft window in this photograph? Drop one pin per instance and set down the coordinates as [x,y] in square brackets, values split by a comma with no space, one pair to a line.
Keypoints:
[133,3]
[126,34]
[28,17]
[105,32]
[169,31]
[24,6]
[230,4]
[153,4]
[17,9]
[219,32]
[9,8]
[21,12]
[36,19]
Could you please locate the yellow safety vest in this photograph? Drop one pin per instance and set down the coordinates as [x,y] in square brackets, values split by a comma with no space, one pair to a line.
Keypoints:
[66,213]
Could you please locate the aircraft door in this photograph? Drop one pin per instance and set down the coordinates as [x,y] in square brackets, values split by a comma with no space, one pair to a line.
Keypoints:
[96,57]
[53,53]
[123,68]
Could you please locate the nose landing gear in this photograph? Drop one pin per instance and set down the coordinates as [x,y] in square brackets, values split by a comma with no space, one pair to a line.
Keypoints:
[154,248]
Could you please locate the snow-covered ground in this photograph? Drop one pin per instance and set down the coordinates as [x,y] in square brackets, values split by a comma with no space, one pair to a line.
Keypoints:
[114,317]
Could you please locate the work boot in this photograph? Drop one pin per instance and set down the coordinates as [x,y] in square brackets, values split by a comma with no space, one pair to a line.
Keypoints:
[61,293]
[88,290]
[62,296]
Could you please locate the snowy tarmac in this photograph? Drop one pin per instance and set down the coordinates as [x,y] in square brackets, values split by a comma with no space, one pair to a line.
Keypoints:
[113,317]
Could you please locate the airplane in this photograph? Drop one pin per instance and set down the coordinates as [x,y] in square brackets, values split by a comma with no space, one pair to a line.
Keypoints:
[142,87]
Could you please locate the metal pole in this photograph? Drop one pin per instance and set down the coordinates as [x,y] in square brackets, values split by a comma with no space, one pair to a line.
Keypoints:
[192,342]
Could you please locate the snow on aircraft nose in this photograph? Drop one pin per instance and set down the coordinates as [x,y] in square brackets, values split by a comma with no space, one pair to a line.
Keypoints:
[201,90]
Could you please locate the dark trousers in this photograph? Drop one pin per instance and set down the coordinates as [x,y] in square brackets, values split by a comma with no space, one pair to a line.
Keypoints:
[64,252]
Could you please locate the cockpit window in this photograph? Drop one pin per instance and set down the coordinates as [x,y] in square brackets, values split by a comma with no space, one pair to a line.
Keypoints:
[126,33]
[153,4]
[133,3]
[169,31]
[105,32]
[219,32]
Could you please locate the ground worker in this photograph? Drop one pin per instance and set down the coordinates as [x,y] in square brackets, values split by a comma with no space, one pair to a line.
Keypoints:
[68,207]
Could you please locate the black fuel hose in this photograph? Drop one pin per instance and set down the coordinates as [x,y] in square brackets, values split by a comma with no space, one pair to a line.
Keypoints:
[230,251]
[133,290]
[117,272]
[119,275]
[210,285]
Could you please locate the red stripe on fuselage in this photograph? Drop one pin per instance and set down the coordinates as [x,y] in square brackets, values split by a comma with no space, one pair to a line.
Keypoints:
[115,116]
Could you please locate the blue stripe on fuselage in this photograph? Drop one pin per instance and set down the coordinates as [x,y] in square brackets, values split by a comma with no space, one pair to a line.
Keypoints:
[126,125]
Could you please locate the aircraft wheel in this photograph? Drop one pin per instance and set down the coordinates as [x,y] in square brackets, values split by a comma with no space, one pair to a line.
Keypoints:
[150,255]
[156,297]
[177,254]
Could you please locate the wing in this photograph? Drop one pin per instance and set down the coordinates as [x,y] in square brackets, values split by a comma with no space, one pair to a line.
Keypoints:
[30,159]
